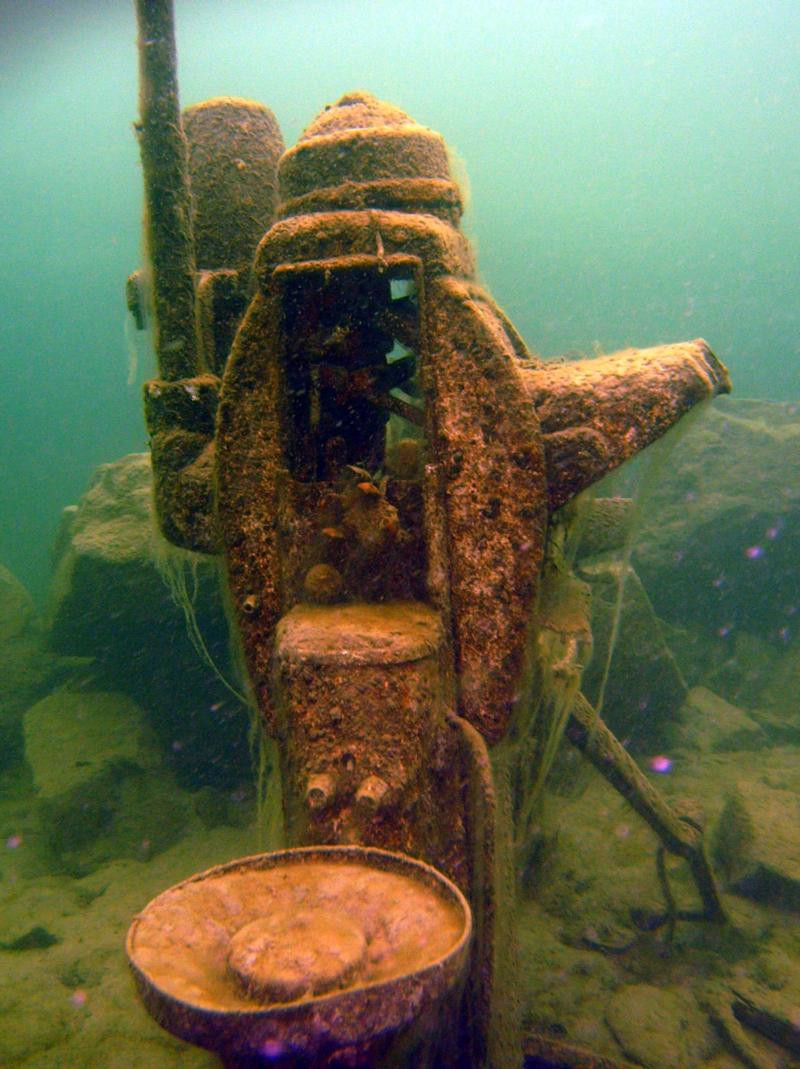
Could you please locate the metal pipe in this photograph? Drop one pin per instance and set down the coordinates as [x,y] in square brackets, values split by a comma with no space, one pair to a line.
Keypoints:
[168,201]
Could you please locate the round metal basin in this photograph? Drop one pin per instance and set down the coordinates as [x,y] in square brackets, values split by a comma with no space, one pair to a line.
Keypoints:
[305,956]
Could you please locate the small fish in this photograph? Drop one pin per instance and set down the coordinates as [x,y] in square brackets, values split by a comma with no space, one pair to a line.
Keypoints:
[362,472]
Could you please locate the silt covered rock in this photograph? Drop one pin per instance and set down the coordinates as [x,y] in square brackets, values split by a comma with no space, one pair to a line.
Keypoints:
[25,668]
[757,843]
[717,550]
[709,724]
[661,1028]
[122,596]
[102,790]
[645,688]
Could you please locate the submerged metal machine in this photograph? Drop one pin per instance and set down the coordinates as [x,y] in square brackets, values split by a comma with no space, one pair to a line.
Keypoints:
[350,421]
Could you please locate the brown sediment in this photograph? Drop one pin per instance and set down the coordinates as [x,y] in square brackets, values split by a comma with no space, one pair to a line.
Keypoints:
[185,938]
[359,700]
[180,417]
[297,952]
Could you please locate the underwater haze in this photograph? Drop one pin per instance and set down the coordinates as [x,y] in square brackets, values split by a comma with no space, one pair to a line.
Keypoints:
[634,170]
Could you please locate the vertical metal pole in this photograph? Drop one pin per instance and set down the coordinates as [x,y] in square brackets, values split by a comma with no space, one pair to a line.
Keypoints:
[168,201]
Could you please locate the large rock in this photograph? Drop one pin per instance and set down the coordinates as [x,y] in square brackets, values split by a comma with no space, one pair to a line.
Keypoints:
[778,698]
[17,611]
[718,546]
[25,667]
[106,577]
[709,724]
[101,789]
[661,1028]
[645,688]
[756,843]
[748,664]
[123,596]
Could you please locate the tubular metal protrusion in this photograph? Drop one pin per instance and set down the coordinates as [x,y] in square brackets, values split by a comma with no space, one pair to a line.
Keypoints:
[320,790]
[371,794]
[168,200]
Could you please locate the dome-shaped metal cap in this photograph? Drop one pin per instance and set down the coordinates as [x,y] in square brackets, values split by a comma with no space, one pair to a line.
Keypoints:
[363,153]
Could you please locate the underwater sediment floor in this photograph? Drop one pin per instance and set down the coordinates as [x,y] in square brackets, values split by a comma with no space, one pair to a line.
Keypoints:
[590,977]
[72,1003]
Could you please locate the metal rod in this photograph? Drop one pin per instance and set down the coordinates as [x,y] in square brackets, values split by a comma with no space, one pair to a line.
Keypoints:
[168,201]
[589,734]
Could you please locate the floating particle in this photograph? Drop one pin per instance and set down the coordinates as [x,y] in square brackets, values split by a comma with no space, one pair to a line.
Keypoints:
[78,997]
[177,745]
[754,552]
[661,764]
[724,631]
[622,831]
[772,533]
[785,634]
[13,842]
